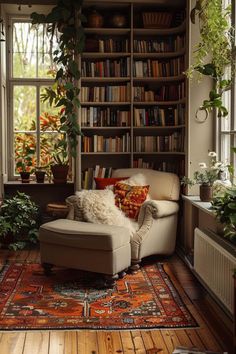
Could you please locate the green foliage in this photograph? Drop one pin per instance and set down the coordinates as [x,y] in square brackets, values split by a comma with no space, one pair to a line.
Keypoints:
[64,18]
[224,207]
[25,153]
[18,221]
[213,53]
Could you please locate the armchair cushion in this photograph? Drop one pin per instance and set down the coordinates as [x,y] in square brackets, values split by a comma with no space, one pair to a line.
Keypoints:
[102,183]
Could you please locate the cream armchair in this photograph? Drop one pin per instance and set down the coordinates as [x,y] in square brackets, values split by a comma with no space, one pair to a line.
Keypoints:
[108,249]
[158,216]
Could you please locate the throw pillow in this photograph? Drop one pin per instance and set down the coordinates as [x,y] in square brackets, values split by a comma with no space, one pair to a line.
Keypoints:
[99,207]
[130,198]
[102,183]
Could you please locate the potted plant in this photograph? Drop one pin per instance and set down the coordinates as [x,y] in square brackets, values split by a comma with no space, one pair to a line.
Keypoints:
[224,207]
[25,160]
[18,221]
[206,177]
[40,172]
[65,19]
[213,53]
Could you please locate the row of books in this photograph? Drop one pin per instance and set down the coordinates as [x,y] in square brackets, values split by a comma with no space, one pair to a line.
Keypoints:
[161,143]
[107,93]
[156,116]
[111,45]
[106,45]
[106,68]
[156,68]
[163,93]
[104,117]
[97,171]
[100,143]
[160,45]
[166,166]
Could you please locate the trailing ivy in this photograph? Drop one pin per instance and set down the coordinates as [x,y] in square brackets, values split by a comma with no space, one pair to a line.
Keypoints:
[213,53]
[65,20]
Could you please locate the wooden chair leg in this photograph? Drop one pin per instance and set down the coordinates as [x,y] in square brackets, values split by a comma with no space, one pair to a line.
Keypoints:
[110,280]
[135,265]
[47,268]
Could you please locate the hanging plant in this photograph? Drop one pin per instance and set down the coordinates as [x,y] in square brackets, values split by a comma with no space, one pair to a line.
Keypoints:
[65,20]
[213,53]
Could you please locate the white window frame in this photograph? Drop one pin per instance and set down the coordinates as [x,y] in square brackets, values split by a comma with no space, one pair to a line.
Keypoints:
[11,82]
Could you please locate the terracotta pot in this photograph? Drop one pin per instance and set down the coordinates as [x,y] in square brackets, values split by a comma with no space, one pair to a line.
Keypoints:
[60,173]
[95,20]
[118,20]
[25,177]
[40,175]
[206,193]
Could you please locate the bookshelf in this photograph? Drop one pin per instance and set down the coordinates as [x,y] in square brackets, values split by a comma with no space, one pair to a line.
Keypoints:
[133,90]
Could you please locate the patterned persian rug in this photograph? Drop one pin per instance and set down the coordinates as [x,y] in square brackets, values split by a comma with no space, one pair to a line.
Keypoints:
[73,299]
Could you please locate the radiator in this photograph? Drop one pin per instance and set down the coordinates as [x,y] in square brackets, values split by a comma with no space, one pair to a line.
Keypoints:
[215,266]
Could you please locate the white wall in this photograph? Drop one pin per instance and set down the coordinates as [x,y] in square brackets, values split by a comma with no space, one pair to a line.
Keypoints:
[200,135]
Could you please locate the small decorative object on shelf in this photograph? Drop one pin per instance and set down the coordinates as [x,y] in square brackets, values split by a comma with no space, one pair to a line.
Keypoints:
[118,20]
[95,19]
[157,19]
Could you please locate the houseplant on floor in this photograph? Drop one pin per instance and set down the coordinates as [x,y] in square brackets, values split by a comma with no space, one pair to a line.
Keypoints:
[65,21]
[19,221]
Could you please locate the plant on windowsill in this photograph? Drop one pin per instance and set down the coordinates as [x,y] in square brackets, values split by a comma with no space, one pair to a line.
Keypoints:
[25,161]
[206,177]
[65,20]
[18,222]
[213,53]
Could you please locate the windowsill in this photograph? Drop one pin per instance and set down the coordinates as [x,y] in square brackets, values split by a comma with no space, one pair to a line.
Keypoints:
[34,183]
[195,200]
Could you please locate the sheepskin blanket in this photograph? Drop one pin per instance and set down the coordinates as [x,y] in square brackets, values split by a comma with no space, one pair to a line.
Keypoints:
[98,206]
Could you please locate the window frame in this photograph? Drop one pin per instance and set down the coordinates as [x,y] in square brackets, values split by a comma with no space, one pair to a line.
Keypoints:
[11,82]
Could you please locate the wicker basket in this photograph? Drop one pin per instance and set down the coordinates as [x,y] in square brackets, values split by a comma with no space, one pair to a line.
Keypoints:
[157,19]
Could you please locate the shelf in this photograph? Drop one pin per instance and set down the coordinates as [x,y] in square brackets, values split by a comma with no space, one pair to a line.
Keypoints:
[104,128]
[159,79]
[107,31]
[159,103]
[105,153]
[160,153]
[105,103]
[105,79]
[160,31]
[166,127]
[159,55]
[98,55]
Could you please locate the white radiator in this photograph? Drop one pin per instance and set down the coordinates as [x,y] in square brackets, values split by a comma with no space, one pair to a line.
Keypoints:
[215,267]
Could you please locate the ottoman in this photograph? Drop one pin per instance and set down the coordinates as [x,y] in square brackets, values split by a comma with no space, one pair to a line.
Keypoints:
[91,247]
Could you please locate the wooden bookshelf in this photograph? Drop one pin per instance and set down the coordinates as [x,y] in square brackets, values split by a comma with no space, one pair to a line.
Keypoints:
[155,49]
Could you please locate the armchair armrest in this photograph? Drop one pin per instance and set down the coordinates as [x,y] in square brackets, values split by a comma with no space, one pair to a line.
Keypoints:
[158,209]
[150,212]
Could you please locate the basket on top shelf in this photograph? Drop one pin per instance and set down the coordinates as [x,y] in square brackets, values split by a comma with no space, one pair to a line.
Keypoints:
[157,19]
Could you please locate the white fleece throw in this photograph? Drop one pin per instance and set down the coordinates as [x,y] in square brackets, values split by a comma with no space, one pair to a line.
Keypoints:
[99,207]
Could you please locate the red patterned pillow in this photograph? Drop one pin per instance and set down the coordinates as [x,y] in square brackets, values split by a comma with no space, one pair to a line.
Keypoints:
[102,183]
[130,198]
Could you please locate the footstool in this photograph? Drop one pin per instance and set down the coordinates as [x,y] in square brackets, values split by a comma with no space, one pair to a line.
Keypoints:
[91,247]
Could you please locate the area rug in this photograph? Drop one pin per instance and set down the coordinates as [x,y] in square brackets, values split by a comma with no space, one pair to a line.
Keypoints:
[71,299]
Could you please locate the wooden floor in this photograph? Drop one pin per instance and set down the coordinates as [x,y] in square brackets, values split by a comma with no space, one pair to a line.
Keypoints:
[136,341]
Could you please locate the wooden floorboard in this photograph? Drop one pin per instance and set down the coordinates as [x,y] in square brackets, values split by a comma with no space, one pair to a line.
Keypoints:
[163,341]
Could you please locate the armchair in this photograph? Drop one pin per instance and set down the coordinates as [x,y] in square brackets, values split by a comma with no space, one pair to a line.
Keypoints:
[109,249]
[158,216]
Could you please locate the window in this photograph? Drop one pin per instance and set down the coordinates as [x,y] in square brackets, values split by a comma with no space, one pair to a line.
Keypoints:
[226,132]
[32,123]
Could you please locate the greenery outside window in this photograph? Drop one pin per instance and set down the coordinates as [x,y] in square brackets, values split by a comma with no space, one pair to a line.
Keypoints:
[226,127]
[32,122]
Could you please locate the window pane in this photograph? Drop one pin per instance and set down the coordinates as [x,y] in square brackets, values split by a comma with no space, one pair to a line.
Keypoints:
[225,147]
[32,50]
[226,98]
[24,50]
[47,141]
[49,119]
[24,108]
[24,147]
